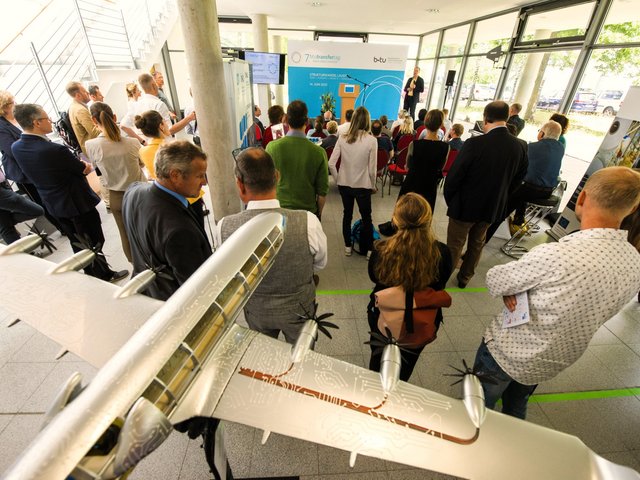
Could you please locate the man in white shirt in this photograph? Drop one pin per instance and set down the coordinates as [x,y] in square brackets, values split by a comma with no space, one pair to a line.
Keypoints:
[149,101]
[288,288]
[573,287]
[344,128]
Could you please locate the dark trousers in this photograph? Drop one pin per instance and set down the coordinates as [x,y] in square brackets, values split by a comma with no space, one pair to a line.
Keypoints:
[14,209]
[363,197]
[526,192]
[458,233]
[410,103]
[87,227]
[32,191]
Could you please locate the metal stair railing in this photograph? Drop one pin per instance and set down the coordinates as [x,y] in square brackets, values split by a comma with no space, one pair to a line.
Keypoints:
[70,40]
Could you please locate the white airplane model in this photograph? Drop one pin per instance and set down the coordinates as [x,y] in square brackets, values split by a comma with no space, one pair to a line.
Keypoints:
[164,364]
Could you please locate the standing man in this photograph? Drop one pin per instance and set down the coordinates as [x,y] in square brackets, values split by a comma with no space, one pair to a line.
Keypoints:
[259,127]
[159,78]
[573,286]
[514,117]
[150,101]
[95,94]
[412,90]
[163,231]
[486,172]
[60,179]
[288,288]
[84,128]
[303,166]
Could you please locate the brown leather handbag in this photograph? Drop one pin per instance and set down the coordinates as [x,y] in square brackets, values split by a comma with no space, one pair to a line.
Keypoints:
[409,315]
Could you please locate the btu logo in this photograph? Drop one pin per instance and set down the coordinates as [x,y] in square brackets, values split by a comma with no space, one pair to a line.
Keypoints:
[379,59]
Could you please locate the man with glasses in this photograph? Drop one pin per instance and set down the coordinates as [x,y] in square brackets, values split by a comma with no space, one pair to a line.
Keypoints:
[163,231]
[60,179]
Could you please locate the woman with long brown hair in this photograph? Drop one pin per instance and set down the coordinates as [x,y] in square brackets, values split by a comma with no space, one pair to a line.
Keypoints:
[412,259]
[118,159]
[358,151]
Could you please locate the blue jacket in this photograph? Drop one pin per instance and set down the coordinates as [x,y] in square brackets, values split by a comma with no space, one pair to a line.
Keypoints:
[57,174]
[9,133]
[545,159]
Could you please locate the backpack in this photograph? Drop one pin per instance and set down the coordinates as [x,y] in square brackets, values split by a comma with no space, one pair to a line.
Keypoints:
[356,231]
[65,131]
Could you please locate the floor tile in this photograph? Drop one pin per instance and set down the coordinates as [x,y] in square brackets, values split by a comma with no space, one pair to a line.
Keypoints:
[19,382]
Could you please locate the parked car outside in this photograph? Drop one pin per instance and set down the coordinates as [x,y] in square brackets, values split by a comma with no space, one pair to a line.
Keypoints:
[609,101]
[584,101]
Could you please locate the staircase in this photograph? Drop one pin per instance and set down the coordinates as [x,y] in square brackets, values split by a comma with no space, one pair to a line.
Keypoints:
[84,40]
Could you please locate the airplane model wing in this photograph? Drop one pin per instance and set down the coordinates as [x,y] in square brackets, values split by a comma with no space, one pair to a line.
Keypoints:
[191,360]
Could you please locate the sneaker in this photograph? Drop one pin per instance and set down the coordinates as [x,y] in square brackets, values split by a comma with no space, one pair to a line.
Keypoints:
[118,275]
[369,255]
[347,251]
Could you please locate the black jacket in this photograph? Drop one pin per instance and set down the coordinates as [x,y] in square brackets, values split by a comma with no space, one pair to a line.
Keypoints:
[163,232]
[486,171]
[9,133]
[57,174]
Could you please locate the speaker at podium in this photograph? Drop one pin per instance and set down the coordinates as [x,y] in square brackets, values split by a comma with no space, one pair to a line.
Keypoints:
[348,93]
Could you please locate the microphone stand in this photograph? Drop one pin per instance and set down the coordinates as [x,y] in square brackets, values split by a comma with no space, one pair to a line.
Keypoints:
[364,90]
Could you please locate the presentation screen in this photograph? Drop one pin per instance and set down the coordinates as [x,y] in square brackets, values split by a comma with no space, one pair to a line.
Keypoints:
[268,68]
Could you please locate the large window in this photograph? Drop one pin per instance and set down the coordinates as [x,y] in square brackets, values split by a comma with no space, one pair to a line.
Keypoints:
[429,46]
[546,26]
[478,88]
[410,41]
[454,41]
[622,24]
[442,96]
[493,32]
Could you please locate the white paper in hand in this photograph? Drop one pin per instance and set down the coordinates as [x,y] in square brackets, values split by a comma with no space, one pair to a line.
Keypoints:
[520,315]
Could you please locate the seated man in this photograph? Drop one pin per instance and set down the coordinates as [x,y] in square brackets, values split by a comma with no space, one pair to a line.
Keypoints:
[545,158]
[163,230]
[288,288]
[514,117]
[14,209]
[573,287]
[384,142]
[454,140]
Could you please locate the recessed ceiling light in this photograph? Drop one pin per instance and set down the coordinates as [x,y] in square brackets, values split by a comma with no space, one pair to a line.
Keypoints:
[316,4]
[432,10]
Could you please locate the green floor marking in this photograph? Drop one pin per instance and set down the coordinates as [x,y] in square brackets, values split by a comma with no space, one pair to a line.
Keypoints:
[586,395]
[367,292]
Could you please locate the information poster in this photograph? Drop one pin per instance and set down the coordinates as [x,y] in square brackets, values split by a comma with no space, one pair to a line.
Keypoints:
[240,96]
[337,75]
[620,147]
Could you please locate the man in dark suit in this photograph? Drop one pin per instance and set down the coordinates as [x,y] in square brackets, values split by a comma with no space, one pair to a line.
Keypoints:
[163,231]
[514,117]
[412,90]
[60,179]
[486,171]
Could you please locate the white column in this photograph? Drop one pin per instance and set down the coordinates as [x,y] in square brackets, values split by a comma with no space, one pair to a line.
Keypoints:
[261,44]
[199,20]
[279,46]
[529,75]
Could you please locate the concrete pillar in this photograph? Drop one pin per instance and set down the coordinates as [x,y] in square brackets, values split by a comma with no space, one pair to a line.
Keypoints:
[279,46]
[529,75]
[199,21]
[261,44]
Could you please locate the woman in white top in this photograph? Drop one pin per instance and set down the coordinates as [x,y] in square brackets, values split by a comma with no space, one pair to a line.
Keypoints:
[127,123]
[118,159]
[358,151]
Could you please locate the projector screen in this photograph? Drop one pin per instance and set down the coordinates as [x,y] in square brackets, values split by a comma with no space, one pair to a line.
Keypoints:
[268,68]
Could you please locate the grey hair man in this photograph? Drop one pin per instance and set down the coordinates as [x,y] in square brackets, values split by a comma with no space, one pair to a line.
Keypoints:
[288,288]
[164,232]
[572,287]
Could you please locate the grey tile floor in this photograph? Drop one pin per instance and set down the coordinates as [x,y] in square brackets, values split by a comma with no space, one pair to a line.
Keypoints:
[30,376]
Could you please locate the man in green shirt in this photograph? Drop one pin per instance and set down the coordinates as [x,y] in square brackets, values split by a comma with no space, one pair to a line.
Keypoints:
[304,177]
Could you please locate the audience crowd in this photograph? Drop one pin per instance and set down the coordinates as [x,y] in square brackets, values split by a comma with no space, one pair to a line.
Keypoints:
[153,186]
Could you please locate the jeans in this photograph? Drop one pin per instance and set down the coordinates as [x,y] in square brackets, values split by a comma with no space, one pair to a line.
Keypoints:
[363,197]
[14,209]
[514,395]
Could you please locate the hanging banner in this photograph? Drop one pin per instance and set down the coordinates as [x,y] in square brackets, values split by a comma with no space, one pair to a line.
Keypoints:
[620,147]
[338,76]
[237,75]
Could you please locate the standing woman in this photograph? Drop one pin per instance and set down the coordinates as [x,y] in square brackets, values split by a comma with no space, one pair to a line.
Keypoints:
[118,159]
[127,123]
[356,179]
[412,259]
[10,131]
[152,126]
[426,160]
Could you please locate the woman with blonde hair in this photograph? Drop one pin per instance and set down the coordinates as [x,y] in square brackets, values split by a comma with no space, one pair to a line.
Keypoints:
[356,179]
[412,259]
[118,159]
[127,123]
